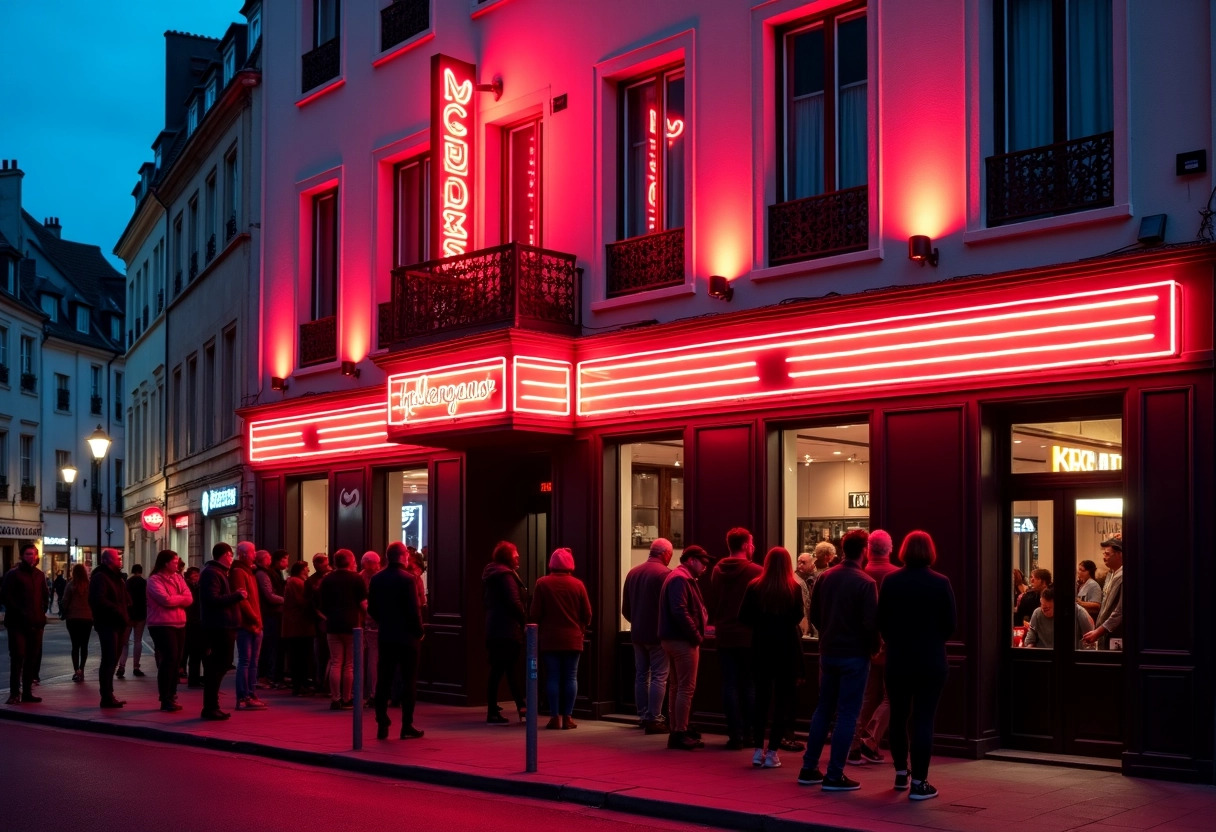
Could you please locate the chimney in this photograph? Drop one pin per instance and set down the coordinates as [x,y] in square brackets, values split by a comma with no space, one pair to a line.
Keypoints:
[52,225]
[11,225]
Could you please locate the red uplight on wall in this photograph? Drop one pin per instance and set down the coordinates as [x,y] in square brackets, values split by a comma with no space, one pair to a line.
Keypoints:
[452,141]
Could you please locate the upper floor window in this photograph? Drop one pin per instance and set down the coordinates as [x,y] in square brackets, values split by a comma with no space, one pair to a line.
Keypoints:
[50,306]
[209,218]
[652,143]
[325,21]
[63,392]
[27,355]
[229,62]
[411,219]
[6,275]
[192,117]
[27,460]
[4,348]
[522,183]
[82,318]
[325,254]
[115,328]
[118,397]
[255,28]
[209,100]
[231,194]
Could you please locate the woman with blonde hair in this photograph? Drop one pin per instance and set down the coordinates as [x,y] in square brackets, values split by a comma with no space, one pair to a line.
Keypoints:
[562,612]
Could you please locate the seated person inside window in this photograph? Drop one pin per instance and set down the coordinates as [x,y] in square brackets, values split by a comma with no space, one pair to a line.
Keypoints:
[1041,632]
[1040,579]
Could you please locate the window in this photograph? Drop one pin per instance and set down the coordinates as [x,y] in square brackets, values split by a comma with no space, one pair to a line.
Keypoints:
[325,255]
[653,147]
[209,218]
[411,219]
[191,396]
[63,392]
[823,76]
[6,275]
[651,479]
[209,100]
[50,306]
[208,391]
[325,21]
[192,231]
[118,482]
[27,355]
[228,385]
[118,397]
[255,29]
[95,390]
[178,252]
[232,190]
[229,62]
[1067,447]
[192,117]
[523,184]
[175,413]
[4,464]
[27,461]
[82,318]
[4,349]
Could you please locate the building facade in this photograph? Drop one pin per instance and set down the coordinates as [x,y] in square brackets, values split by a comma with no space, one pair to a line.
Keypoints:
[193,263]
[588,277]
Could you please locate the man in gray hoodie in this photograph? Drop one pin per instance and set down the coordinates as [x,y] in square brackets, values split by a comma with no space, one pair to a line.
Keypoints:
[640,606]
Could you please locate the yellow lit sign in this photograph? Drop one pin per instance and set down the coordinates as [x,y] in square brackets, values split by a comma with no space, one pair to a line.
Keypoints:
[1072,460]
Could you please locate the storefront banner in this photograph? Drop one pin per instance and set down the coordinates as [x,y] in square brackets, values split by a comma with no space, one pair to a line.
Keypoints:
[223,500]
[1017,335]
[455,391]
[20,528]
[542,386]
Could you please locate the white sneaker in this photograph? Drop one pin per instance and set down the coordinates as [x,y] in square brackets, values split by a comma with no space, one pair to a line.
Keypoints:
[771,760]
[758,758]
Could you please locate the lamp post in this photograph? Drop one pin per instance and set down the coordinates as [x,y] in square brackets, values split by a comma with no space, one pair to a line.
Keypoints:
[99,445]
[69,476]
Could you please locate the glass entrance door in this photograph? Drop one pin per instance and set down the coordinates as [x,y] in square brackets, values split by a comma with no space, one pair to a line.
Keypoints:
[1064,690]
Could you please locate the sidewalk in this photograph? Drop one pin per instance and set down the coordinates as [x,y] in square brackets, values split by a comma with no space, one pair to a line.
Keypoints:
[616,767]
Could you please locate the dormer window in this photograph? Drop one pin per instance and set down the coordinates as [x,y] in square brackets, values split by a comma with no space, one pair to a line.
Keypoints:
[229,62]
[115,328]
[192,117]
[82,318]
[50,305]
[159,157]
[209,102]
[6,275]
[255,28]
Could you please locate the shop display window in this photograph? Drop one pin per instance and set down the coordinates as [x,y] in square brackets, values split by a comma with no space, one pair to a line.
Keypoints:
[314,518]
[1067,447]
[652,501]
[826,484]
[407,494]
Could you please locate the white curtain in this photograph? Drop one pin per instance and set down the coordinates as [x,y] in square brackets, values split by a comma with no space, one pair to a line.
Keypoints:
[1028,81]
[1090,71]
[806,119]
[851,119]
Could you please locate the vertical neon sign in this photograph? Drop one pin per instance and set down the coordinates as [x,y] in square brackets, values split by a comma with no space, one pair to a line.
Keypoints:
[452,142]
[652,171]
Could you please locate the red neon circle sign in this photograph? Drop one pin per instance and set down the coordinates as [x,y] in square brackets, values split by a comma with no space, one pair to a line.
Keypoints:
[152,519]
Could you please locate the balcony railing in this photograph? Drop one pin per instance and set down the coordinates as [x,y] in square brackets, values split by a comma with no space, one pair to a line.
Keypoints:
[29,382]
[319,341]
[3,374]
[177,283]
[63,399]
[321,64]
[63,497]
[29,493]
[210,248]
[651,261]
[401,20]
[510,285]
[818,226]
[1057,179]
[384,324]
[95,405]
[230,228]
[193,265]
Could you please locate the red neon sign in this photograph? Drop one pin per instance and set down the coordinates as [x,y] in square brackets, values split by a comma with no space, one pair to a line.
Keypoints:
[1068,330]
[152,519]
[652,171]
[452,140]
[475,388]
[541,386]
[321,433]
[181,521]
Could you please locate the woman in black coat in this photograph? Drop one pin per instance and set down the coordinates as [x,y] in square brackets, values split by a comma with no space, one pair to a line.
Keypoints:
[506,616]
[916,615]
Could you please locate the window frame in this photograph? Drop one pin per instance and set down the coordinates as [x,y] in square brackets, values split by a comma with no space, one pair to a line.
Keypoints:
[27,354]
[82,318]
[536,122]
[423,161]
[316,22]
[317,201]
[28,454]
[660,76]
[229,62]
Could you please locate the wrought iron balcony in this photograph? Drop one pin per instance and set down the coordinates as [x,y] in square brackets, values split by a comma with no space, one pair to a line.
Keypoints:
[210,248]
[1057,179]
[651,261]
[3,374]
[193,265]
[63,399]
[230,228]
[63,497]
[321,64]
[401,20]
[384,325]
[511,285]
[95,405]
[29,493]
[818,226]
[29,382]
[319,341]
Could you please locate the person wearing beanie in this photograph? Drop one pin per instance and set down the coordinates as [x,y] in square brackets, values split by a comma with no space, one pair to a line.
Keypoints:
[875,707]
[682,620]
[562,612]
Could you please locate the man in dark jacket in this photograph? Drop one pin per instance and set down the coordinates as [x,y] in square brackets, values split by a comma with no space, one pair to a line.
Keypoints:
[342,599]
[727,584]
[844,609]
[502,595]
[392,601]
[682,619]
[640,606]
[111,608]
[25,597]
[137,589]
[220,617]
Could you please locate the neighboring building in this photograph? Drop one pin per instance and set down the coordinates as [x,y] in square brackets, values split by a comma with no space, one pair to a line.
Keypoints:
[587,275]
[61,349]
[192,265]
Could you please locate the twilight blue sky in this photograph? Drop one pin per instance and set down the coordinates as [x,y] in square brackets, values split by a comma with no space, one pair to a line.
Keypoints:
[82,88]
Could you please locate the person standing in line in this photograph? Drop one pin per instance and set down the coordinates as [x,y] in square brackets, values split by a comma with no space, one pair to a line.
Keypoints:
[269,576]
[844,609]
[1110,613]
[75,606]
[168,598]
[320,568]
[772,607]
[249,633]
[727,583]
[196,646]
[60,585]
[562,612]
[804,572]
[111,614]
[502,594]
[875,707]
[137,590]
[24,596]
[916,615]
[682,621]
[343,598]
[299,627]
[640,606]
[220,619]
[369,566]
[392,602]
[1089,592]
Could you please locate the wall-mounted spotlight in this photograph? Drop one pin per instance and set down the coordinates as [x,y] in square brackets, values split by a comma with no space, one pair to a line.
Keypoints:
[495,87]
[349,369]
[278,384]
[921,250]
[720,288]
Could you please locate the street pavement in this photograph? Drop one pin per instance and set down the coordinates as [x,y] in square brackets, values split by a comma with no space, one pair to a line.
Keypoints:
[616,767]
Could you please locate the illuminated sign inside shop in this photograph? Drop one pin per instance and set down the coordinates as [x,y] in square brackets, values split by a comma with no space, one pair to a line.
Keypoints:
[152,519]
[54,541]
[1047,332]
[181,521]
[1024,525]
[473,389]
[452,140]
[1071,460]
[859,499]
[215,499]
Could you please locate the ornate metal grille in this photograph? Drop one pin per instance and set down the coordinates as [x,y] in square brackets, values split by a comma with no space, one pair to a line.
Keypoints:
[384,325]
[319,341]
[512,285]
[193,265]
[321,64]
[95,405]
[63,399]
[403,19]
[29,493]
[816,226]
[230,228]
[29,381]
[210,248]
[651,261]
[1056,179]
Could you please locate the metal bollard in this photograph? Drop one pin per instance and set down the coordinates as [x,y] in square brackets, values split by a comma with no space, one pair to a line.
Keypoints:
[357,690]
[533,700]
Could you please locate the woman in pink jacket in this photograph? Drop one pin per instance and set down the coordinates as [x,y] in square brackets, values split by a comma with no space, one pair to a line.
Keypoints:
[562,612]
[168,597]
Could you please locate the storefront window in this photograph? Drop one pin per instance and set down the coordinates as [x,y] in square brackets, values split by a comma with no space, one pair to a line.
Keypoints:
[407,494]
[652,500]
[827,484]
[1067,447]
[314,518]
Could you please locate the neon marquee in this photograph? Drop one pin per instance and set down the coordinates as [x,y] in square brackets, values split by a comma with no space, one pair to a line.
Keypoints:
[443,393]
[452,138]
[322,433]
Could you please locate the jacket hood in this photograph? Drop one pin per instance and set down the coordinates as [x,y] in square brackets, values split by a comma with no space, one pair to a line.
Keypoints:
[241,565]
[494,569]
[733,565]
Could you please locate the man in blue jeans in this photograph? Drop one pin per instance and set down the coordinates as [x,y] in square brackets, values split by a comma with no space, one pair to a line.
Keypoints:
[844,609]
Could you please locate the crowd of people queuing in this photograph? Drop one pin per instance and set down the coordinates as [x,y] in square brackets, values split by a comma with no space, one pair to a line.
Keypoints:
[1097,608]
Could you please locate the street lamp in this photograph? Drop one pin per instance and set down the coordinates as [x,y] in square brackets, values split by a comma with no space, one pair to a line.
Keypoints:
[69,476]
[99,444]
